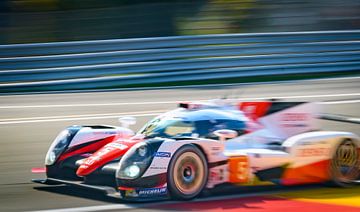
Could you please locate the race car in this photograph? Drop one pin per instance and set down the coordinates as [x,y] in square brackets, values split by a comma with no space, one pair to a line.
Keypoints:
[202,145]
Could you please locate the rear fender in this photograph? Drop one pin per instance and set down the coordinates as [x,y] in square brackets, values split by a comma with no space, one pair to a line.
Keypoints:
[300,146]
[311,154]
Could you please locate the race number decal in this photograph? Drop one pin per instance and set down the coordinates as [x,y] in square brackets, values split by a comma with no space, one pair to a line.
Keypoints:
[239,169]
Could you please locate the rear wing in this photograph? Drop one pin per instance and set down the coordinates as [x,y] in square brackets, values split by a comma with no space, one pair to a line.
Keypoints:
[283,119]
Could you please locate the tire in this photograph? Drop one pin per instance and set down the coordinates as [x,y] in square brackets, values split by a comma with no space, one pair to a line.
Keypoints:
[188,173]
[344,165]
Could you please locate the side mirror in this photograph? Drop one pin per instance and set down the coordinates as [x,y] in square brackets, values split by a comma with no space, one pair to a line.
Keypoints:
[126,121]
[225,134]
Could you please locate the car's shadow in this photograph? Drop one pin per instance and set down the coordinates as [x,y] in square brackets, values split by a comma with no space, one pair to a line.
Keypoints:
[77,192]
[225,197]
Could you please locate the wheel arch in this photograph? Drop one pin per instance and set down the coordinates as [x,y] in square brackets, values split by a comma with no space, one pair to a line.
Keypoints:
[202,150]
[330,138]
[348,137]
[356,140]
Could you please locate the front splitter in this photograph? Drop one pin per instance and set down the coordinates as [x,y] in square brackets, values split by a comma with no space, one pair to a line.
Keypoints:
[107,190]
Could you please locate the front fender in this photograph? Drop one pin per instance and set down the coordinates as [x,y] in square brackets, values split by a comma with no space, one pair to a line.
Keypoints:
[212,149]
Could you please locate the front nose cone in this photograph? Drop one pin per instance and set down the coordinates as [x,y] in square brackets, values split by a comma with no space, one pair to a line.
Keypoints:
[104,155]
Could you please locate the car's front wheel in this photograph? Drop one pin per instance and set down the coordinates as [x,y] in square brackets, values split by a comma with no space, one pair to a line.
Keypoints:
[344,165]
[187,173]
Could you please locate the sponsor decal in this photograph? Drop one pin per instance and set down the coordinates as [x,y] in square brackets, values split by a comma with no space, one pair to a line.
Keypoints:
[117,145]
[103,151]
[89,162]
[104,133]
[295,117]
[99,154]
[294,125]
[249,109]
[239,169]
[131,193]
[152,192]
[305,143]
[162,154]
[257,155]
[312,152]
[194,106]
[216,148]
[295,120]
[157,168]
[217,175]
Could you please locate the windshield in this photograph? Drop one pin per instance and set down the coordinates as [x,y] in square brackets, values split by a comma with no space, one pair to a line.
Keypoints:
[168,128]
[178,127]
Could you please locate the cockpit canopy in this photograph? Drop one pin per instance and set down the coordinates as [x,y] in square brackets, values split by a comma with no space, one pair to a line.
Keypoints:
[194,123]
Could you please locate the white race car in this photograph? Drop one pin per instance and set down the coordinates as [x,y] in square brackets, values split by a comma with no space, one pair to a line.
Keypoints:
[203,145]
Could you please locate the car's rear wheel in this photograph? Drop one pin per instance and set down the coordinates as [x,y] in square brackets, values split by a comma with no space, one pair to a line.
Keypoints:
[344,166]
[188,173]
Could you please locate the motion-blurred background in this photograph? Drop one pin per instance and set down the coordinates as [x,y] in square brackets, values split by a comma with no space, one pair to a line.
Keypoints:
[27,21]
[197,42]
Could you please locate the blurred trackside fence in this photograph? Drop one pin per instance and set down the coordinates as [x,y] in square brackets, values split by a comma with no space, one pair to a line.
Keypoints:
[146,61]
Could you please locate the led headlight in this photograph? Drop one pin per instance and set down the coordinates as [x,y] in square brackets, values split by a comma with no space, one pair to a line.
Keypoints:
[132,171]
[57,147]
[135,161]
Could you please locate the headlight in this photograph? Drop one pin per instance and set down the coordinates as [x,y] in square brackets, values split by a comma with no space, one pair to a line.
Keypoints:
[132,171]
[57,147]
[135,161]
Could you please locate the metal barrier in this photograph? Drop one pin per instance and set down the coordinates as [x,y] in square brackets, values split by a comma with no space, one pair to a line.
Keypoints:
[124,62]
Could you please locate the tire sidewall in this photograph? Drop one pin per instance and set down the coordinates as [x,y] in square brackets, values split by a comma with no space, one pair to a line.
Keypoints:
[174,192]
[334,180]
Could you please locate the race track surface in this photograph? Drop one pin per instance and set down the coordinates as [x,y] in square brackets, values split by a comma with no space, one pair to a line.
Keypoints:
[29,123]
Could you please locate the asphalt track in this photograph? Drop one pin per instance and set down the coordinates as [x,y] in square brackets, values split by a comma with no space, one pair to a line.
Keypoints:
[28,124]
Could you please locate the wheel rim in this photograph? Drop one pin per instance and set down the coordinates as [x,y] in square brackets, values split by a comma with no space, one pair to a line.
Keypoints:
[189,173]
[345,163]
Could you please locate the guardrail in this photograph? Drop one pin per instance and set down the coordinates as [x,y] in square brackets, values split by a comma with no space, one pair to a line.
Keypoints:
[124,62]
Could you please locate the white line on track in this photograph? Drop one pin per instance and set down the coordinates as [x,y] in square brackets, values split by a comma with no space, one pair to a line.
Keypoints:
[301,96]
[110,115]
[80,117]
[116,115]
[173,102]
[341,102]
[84,115]
[86,105]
